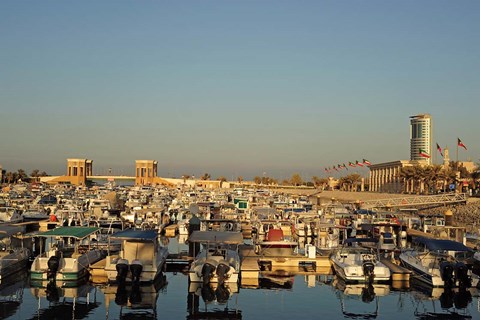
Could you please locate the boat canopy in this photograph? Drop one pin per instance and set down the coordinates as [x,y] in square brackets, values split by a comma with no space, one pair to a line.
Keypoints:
[441,244]
[139,235]
[71,232]
[227,237]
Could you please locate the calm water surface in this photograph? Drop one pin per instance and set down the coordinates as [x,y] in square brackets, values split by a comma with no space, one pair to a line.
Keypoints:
[306,296]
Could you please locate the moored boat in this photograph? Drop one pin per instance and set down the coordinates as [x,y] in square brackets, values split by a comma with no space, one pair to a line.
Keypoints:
[68,257]
[140,260]
[437,263]
[219,260]
[359,264]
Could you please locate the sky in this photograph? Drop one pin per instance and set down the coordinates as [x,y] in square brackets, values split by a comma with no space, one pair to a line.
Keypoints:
[234,88]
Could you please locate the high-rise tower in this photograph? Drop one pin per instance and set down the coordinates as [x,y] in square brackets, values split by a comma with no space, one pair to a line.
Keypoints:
[421,138]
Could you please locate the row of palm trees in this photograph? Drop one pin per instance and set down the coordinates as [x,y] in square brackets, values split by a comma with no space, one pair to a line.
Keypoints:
[433,178]
[21,175]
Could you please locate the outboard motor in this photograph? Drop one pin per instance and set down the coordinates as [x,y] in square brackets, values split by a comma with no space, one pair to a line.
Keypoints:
[136,269]
[446,270]
[208,295]
[121,296]
[368,293]
[52,292]
[222,294]
[462,298]
[461,275]
[53,265]
[122,270]
[222,272]
[135,295]
[446,298]
[369,270]
[208,270]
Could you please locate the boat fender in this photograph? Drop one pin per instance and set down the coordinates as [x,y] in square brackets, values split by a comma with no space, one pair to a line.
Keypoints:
[208,270]
[136,269]
[122,270]
[229,226]
[222,272]
[53,265]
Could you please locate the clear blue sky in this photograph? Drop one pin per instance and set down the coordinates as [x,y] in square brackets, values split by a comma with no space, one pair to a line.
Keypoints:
[233,88]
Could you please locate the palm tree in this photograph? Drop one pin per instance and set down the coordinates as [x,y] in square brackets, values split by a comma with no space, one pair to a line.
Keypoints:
[257,180]
[355,179]
[407,174]
[240,179]
[222,179]
[22,175]
[296,179]
[10,177]
[206,176]
[434,175]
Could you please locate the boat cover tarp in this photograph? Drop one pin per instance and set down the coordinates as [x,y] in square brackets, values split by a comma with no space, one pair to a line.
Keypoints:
[441,244]
[7,231]
[71,232]
[227,237]
[132,234]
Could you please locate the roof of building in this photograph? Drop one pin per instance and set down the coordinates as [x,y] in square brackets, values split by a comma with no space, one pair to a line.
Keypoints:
[71,232]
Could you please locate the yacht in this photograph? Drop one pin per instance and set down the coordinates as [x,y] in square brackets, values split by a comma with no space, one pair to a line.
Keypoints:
[355,263]
[439,262]
[219,260]
[141,258]
[68,257]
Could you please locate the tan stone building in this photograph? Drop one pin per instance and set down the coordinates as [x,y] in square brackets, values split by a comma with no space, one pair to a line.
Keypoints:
[77,172]
[385,177]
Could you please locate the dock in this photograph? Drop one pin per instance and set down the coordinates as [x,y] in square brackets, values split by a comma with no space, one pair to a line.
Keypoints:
[253,264]
[397,272]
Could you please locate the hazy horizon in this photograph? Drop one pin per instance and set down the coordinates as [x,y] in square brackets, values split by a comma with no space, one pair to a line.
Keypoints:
[234,88]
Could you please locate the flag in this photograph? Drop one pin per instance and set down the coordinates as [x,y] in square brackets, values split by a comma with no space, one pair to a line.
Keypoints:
[335,168]
[460,144]
[351,164]
[423,153]
[439,150]
[366,162]
[359,164]
[345,166]
[339,166]
[326,170]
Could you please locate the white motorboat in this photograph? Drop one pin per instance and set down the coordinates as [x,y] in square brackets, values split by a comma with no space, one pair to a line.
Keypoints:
[219,260]
[438,262]
[12,260]
[141,258]
[276,244]
[10,215]
[69,255]
[360,264]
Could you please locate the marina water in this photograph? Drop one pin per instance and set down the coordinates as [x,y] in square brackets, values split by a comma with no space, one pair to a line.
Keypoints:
[307,295]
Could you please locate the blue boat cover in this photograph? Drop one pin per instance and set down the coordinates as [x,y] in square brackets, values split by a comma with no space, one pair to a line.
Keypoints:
[441,244]
[132,234]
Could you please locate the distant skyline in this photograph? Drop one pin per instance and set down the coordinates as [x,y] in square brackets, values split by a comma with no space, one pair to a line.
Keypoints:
[234,88]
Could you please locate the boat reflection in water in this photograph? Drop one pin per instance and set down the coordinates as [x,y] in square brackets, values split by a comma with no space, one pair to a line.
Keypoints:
[135,300]
[215,299]
[63,301]
[11,294]
[276,280]
[368,293]
[447,302]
